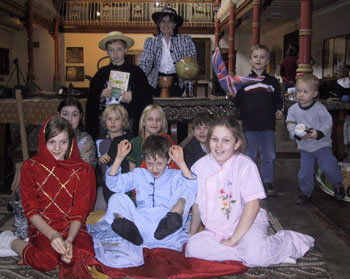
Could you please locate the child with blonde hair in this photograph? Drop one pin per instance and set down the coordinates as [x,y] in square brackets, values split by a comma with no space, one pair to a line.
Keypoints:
[260,105]
[228,204]
[114,120]
[310,123]
[152,122]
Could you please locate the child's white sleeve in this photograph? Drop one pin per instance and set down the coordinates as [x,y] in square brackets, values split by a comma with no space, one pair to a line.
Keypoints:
[120,183]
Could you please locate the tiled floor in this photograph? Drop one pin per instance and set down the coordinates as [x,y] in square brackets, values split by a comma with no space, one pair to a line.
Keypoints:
[327,220]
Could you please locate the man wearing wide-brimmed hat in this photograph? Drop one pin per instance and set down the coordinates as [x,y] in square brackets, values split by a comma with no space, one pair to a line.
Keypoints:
[135,99]
[161,53]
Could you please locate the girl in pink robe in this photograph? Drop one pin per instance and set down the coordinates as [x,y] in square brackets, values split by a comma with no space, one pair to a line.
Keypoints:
[228,204]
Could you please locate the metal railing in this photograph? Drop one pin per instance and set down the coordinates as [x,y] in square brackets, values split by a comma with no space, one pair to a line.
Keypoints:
[129,13]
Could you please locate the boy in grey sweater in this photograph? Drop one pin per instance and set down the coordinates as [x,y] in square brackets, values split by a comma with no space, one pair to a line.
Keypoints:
[309,122]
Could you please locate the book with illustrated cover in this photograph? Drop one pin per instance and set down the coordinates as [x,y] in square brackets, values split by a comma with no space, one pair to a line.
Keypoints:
[118,79]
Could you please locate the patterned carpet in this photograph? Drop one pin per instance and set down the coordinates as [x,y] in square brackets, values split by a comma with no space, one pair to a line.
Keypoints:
[310,266]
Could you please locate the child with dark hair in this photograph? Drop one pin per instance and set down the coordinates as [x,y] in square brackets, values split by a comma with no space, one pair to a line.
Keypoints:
[197,148]
[71,109]
[163,196]
[58,192]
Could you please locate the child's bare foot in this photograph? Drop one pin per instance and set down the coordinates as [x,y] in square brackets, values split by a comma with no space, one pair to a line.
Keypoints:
[117,215]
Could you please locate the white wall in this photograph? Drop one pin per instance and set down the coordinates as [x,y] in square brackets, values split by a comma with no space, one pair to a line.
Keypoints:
[243,42]
[43,61]
[16,42]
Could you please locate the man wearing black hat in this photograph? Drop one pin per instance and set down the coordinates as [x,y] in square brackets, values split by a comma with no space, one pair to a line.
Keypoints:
[161,53]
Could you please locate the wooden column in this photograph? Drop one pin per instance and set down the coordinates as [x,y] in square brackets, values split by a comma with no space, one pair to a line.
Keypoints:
[30,73]
[256,22]
[217,33]
[305,33]
[57,76]
[231,40]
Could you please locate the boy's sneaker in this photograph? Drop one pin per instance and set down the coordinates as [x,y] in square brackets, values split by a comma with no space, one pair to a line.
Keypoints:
[303,199]
[269,189]
[6,238]
[339,192]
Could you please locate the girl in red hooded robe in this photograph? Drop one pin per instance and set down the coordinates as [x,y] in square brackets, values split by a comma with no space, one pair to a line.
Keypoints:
[57,190]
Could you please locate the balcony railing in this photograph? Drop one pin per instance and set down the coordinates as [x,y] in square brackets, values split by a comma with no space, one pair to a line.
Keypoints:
[132,13]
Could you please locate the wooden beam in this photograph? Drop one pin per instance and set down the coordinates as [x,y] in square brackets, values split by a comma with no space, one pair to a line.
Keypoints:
[133,29]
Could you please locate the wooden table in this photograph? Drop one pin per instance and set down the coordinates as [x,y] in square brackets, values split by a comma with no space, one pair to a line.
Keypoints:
[37,110]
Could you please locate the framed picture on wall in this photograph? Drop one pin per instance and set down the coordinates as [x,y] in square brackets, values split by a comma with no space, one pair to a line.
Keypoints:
[74,73]
[75,55]
[203,57]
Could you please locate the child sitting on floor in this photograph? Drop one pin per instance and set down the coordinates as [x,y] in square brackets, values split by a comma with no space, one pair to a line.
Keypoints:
[196,148]
[57,191]
[164,198]
[310,123]
[228,203]
[114,120]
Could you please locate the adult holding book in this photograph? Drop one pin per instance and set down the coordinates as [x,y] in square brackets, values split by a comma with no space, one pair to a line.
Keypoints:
[118,82]
[161,53]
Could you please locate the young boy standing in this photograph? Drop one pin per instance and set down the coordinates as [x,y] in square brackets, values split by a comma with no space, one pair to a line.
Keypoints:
[196,148]
[164,198]
[310,123]
[134,99]
[260,104]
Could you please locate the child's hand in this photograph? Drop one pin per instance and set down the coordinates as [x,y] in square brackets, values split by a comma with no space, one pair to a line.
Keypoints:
[126,96]
[279,114]
[104,159]
[227,242]
[124,147]
[67,257]
[176,154]
[312,134]
[58,244]
[106,93]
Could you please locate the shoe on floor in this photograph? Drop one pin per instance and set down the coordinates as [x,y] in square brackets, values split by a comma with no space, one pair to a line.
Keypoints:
[269,189]
[6,238]
[339,192]
[303,199]
[168,225]
[127,230]
[6,252]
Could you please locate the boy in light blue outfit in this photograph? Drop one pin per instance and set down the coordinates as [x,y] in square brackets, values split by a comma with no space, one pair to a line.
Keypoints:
[309,122]
[164,198]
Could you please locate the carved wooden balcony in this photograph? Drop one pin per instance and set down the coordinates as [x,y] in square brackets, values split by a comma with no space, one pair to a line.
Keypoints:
[133,16]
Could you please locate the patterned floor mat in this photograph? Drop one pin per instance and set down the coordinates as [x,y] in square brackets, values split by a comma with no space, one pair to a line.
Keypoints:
[310,266]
